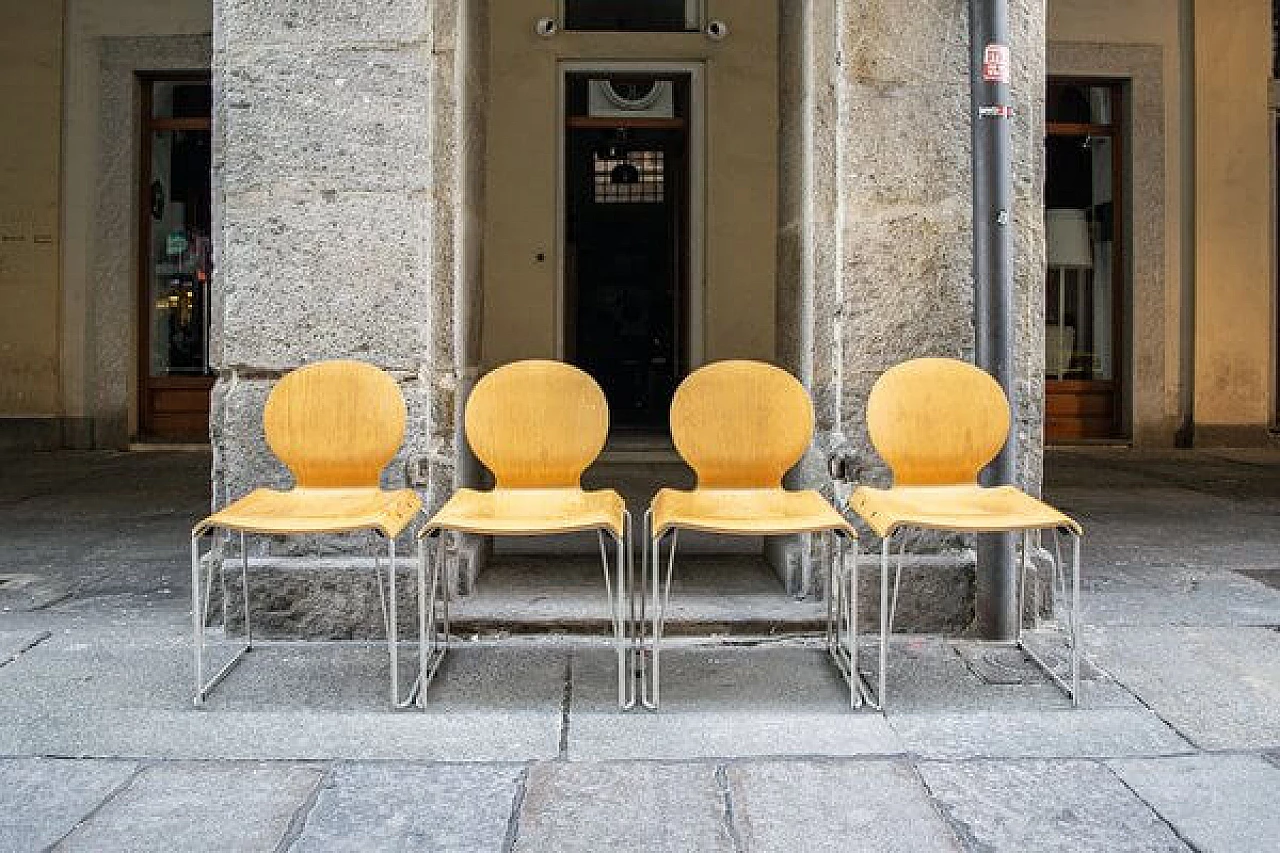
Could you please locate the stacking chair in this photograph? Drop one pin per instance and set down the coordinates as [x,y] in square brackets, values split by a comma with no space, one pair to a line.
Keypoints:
[740,425]
[938,422]
[537,426]
[335,425]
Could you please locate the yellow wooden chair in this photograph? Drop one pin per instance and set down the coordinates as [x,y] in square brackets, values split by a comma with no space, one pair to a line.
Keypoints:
[938,422]
[335,425]
[740,425]
[537,426]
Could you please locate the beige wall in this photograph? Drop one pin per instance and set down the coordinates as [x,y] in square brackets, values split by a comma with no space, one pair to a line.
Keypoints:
[30,118]
[1155,364]
[1234,290]
[1218,312]
[519,314]
[88,24]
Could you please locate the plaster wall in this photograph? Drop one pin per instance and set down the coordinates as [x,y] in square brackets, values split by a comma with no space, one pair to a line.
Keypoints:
[1234,332]
[520,293]
[1203,333]
[30,121]
[107,41]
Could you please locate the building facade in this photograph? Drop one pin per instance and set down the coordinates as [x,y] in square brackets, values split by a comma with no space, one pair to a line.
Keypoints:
[196,198]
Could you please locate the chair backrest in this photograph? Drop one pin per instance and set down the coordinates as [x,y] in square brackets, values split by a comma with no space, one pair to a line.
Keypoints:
[937,421]
[741,424]
[335,424]
[537,424]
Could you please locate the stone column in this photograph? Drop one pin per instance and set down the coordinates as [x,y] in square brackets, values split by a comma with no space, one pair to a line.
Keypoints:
[324,223]
[876,230]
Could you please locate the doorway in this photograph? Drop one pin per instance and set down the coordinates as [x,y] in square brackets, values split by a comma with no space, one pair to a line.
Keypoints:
[174,260]
[626,248]
[1085,293]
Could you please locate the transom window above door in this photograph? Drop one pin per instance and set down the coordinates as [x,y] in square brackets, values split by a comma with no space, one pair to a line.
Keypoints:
[651,16]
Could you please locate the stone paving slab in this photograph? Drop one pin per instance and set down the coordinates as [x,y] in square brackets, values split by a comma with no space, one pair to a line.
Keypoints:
[724,702]
[214,807]
[1179,595]
[294,735]
[1218,803]
[594,808]
[373,807]
[718,734]
[14,643]
[1220,687]
[1104,733]
[1042,806]
[830,807]
[41,800]
[931,674]
[108,670]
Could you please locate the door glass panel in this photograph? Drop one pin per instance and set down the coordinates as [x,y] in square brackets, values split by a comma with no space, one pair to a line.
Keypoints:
[633,15]
[1069,103]
[1081,241]
[181,99]
[179,253]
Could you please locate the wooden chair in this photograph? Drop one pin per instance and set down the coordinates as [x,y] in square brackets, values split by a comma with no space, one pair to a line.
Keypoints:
[537,426]
[938,422]
[335,425]
[740,425]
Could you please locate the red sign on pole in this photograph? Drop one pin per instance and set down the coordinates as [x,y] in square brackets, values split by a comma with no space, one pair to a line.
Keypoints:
[995,64]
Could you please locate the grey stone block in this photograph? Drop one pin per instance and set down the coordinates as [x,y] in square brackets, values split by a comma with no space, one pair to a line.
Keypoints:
[725,703]
[41,800]
[241,23]
[598,807]
[1217,803]
[934,675]
[299,735]
[364,807]
[1218,686]
[311,275]
[845,807]
[329,119]
[1035,734]
[193,807]
[1064,806]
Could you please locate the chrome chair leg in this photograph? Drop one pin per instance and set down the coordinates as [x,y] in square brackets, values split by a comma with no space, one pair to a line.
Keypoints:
[433,632]
[616,610]
[661,597]
[201,590]
[1069,685]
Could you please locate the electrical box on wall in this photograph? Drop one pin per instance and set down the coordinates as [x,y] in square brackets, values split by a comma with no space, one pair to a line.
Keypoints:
[648,99]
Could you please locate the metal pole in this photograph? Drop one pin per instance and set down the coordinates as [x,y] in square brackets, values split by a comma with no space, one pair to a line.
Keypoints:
[995,609]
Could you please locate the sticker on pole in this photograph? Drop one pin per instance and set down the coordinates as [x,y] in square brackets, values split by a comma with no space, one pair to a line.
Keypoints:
[995,64]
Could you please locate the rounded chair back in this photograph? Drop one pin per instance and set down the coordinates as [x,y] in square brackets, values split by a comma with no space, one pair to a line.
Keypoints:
[741,424]
[335,424]
[937,421]
[537,424]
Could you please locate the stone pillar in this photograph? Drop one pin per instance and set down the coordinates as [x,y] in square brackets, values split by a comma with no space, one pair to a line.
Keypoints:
[323,180]
[876,224]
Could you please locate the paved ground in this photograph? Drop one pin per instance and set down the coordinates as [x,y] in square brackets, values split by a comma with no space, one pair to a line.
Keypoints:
[1177,747]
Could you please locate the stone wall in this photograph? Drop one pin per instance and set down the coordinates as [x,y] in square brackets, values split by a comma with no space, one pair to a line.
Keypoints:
[350,196]
[875,240]
[323,167]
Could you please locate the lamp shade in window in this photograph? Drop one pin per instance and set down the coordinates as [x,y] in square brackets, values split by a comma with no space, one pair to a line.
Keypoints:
[1067,238]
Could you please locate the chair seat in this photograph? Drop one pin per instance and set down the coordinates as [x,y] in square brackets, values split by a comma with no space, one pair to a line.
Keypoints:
[520,512]
[745,512]
[971,509]
[314,510]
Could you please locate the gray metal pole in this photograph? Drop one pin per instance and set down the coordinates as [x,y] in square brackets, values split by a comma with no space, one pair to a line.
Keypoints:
[995,609]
